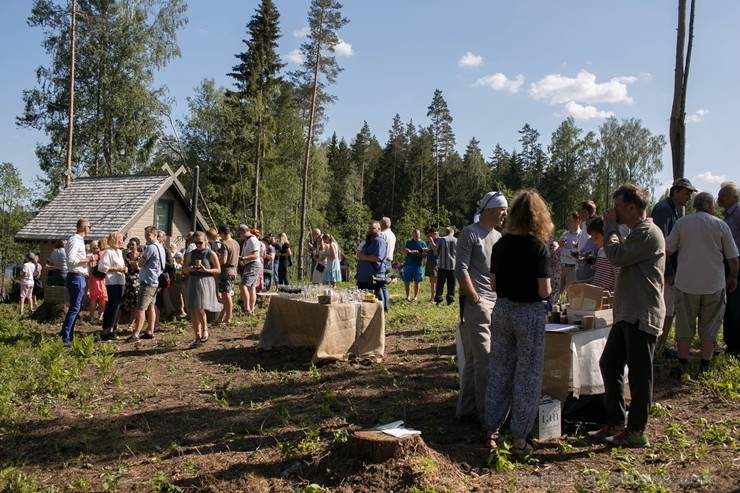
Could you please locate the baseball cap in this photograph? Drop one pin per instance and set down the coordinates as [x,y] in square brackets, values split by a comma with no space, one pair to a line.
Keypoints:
[684,183]
[243,227]
[224,228]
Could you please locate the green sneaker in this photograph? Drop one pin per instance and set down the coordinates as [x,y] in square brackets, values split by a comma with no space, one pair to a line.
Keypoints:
[603,432]
[627,438]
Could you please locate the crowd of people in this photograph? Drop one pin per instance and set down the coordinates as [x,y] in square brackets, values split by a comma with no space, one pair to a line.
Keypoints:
[506,282]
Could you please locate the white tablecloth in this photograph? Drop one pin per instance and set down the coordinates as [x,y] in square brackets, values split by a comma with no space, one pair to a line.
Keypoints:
[572,363]
[337,331]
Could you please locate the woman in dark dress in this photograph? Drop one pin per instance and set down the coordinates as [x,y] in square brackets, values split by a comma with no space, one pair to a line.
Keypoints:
[285,261]
[131,289]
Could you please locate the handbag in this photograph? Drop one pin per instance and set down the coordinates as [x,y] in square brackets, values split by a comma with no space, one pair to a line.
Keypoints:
[97,273]
[320,267]
[164,280]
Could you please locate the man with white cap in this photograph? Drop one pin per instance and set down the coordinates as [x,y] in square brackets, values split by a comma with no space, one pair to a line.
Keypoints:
[472,271]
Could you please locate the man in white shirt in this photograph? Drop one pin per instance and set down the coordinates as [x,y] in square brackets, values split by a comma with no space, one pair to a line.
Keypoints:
[77,261]
[251,265]
[390,241]
[568,262]
[703,241]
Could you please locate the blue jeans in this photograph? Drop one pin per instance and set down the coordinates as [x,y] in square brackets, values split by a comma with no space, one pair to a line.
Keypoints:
[76,285]
[115,295]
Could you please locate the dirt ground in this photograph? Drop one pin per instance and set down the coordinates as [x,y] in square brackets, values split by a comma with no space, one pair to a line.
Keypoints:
[225,417]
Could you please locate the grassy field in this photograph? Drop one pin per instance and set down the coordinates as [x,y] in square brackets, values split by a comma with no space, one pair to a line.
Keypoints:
[157,416]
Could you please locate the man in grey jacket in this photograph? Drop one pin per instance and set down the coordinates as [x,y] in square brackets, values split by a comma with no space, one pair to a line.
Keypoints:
[638,317]
[444,249]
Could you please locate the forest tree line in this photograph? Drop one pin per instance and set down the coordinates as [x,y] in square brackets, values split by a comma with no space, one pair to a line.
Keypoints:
[251,141]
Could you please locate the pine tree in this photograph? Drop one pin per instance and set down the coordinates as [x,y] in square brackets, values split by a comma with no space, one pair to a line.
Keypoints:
[443,138]
[257,81]
[320,68]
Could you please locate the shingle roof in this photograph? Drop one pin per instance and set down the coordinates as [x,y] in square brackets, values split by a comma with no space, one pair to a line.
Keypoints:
[111,203]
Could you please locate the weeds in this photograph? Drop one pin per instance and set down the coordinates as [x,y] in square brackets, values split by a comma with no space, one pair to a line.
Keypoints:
[160,484]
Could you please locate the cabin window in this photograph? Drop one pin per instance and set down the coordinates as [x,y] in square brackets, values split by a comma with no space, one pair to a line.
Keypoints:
[163,215]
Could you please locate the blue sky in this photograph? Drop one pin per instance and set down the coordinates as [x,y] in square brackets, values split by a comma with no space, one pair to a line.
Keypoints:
[499,65]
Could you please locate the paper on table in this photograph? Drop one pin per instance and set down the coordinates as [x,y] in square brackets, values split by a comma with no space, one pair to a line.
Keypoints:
[560,327]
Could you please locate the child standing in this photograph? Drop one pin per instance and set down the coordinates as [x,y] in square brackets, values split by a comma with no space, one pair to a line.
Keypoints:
[29,269]
[96,281]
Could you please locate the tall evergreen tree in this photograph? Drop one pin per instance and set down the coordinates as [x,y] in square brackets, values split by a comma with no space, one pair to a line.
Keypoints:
[532,156]
[257,80]
[119,44]
[320,68]
[565,182]
[443,138]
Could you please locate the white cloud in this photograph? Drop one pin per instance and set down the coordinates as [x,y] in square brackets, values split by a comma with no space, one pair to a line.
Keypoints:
[580,112]
[470,60]
[500,82]
[558,89]
[708,178]
[302,32]
[295,56]
[646,76]
[697,116]
[343,48]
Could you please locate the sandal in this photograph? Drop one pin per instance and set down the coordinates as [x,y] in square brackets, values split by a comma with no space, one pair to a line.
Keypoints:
[196,343]
[491,442]
[205,337]
[527,449]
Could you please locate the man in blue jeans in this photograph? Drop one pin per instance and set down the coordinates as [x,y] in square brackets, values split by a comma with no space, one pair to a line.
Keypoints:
[77,261]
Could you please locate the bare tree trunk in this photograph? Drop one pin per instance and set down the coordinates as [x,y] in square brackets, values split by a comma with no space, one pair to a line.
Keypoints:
[257,164]
[309,142]
[677,129]
[68,174]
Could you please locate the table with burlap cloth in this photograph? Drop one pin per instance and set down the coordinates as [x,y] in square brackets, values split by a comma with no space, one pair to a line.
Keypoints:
[338,331]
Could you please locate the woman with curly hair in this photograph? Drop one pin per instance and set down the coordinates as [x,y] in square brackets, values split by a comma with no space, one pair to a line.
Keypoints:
[520,279]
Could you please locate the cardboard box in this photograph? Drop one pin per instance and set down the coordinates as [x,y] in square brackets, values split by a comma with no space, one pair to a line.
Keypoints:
[548,423]
[602,318]
[585,297]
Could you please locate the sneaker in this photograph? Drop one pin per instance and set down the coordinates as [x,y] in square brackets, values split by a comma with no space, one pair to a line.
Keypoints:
[602,433]
[627,438]
[133,339]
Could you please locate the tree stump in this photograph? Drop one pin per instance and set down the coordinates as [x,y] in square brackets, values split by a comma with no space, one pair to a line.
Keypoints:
[376,446]
[49,312]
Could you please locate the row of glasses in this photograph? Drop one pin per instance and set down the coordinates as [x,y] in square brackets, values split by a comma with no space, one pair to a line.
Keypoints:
[311,292]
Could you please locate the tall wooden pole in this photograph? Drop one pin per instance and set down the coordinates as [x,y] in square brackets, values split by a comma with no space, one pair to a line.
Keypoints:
[68,174]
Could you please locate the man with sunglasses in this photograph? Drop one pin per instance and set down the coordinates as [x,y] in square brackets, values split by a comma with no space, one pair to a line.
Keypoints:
[472,271]
[77,261]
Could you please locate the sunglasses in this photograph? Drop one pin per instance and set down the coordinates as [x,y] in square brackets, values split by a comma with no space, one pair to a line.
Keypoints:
[199,242]
[495,194]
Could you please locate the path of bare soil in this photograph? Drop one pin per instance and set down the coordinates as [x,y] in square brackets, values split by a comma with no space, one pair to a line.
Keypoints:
[225,417]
